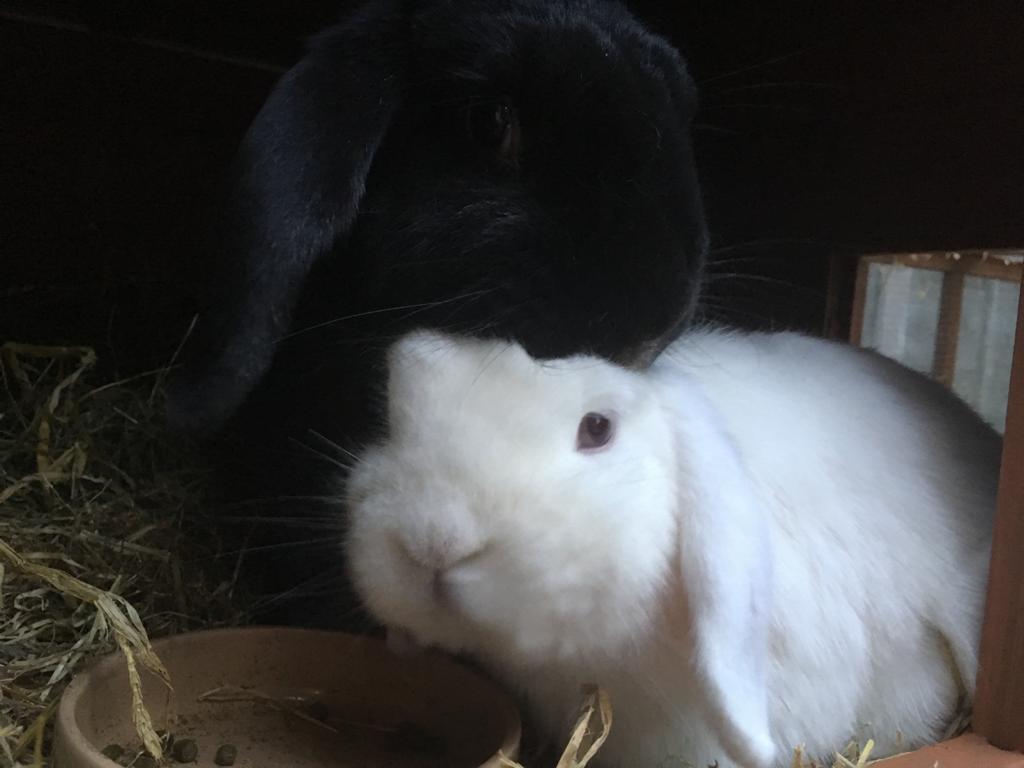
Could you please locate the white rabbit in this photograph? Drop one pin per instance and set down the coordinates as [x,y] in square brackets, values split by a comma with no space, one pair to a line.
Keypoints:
[763,541]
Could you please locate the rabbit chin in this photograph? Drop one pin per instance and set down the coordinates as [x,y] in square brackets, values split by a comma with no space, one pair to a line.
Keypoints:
[525,645]
[511,620]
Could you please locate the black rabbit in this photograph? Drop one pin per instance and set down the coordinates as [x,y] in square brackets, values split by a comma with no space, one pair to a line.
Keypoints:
[512,168]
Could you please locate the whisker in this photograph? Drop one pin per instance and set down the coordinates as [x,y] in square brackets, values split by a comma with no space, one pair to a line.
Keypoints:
[758,65]
[736,277]
[254,501]
[806,110]
[768,241]
[317,543]
[323,524]
[776,84]
[708,313]
[321,584]
[333,444]
[320,454]
[708,128]
[371,312]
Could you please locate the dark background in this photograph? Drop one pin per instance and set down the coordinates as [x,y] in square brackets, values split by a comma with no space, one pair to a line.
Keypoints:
[825,129]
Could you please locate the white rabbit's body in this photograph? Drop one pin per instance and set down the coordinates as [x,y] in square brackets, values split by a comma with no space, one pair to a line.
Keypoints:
[846,662]
[899,490]
[822,579]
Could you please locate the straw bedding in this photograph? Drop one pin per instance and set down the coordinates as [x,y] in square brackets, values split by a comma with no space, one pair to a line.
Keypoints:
[102,536]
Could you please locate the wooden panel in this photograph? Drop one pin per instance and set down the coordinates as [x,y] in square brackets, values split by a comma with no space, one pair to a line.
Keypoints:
[999,705]
[994,264]
[965,752]
[1001,264]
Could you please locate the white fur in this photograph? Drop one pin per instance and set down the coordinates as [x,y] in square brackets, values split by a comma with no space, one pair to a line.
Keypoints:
[774,549]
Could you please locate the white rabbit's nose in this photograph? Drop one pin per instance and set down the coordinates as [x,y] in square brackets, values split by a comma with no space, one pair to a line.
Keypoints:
[439,558]
[438,563]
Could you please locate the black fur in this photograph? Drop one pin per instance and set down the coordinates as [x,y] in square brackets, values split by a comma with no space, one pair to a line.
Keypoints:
[361,205]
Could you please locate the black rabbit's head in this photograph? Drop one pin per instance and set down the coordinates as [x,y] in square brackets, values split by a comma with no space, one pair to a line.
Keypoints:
[517,168]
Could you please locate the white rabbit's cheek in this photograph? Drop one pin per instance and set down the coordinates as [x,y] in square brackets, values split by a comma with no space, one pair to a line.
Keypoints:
[368,477]
[554,602]
[395,590]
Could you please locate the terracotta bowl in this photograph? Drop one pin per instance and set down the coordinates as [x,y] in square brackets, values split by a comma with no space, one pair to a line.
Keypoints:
[359,704]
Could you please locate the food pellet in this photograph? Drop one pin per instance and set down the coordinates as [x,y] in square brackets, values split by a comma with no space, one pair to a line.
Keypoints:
[226,754]
[185,751]
[112,751]
[144,761]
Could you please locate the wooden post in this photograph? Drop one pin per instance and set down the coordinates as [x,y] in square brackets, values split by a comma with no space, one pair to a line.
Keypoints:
[999,704]
[860,297]
[839,296]
[948,333]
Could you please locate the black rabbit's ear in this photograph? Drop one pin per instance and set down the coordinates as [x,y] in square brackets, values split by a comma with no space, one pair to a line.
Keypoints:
[294,193]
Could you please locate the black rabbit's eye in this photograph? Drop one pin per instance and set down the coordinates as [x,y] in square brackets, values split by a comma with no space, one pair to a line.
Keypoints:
[595,431]
[495,126]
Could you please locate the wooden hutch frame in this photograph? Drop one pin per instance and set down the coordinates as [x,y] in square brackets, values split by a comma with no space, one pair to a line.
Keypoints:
[997,738]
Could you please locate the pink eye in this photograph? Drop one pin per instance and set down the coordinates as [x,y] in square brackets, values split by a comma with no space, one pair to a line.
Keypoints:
[595,431]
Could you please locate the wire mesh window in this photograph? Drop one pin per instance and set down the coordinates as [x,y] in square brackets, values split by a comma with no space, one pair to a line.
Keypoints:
[952,315]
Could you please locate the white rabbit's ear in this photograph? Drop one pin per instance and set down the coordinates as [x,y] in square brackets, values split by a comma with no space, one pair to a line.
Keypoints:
[725,558]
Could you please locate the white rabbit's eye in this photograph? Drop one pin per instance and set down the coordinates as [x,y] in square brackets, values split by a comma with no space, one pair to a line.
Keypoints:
[595,431]
[494,125]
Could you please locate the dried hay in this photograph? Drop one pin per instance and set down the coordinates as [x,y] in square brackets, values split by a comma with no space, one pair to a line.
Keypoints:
[593,725]
[102,539]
